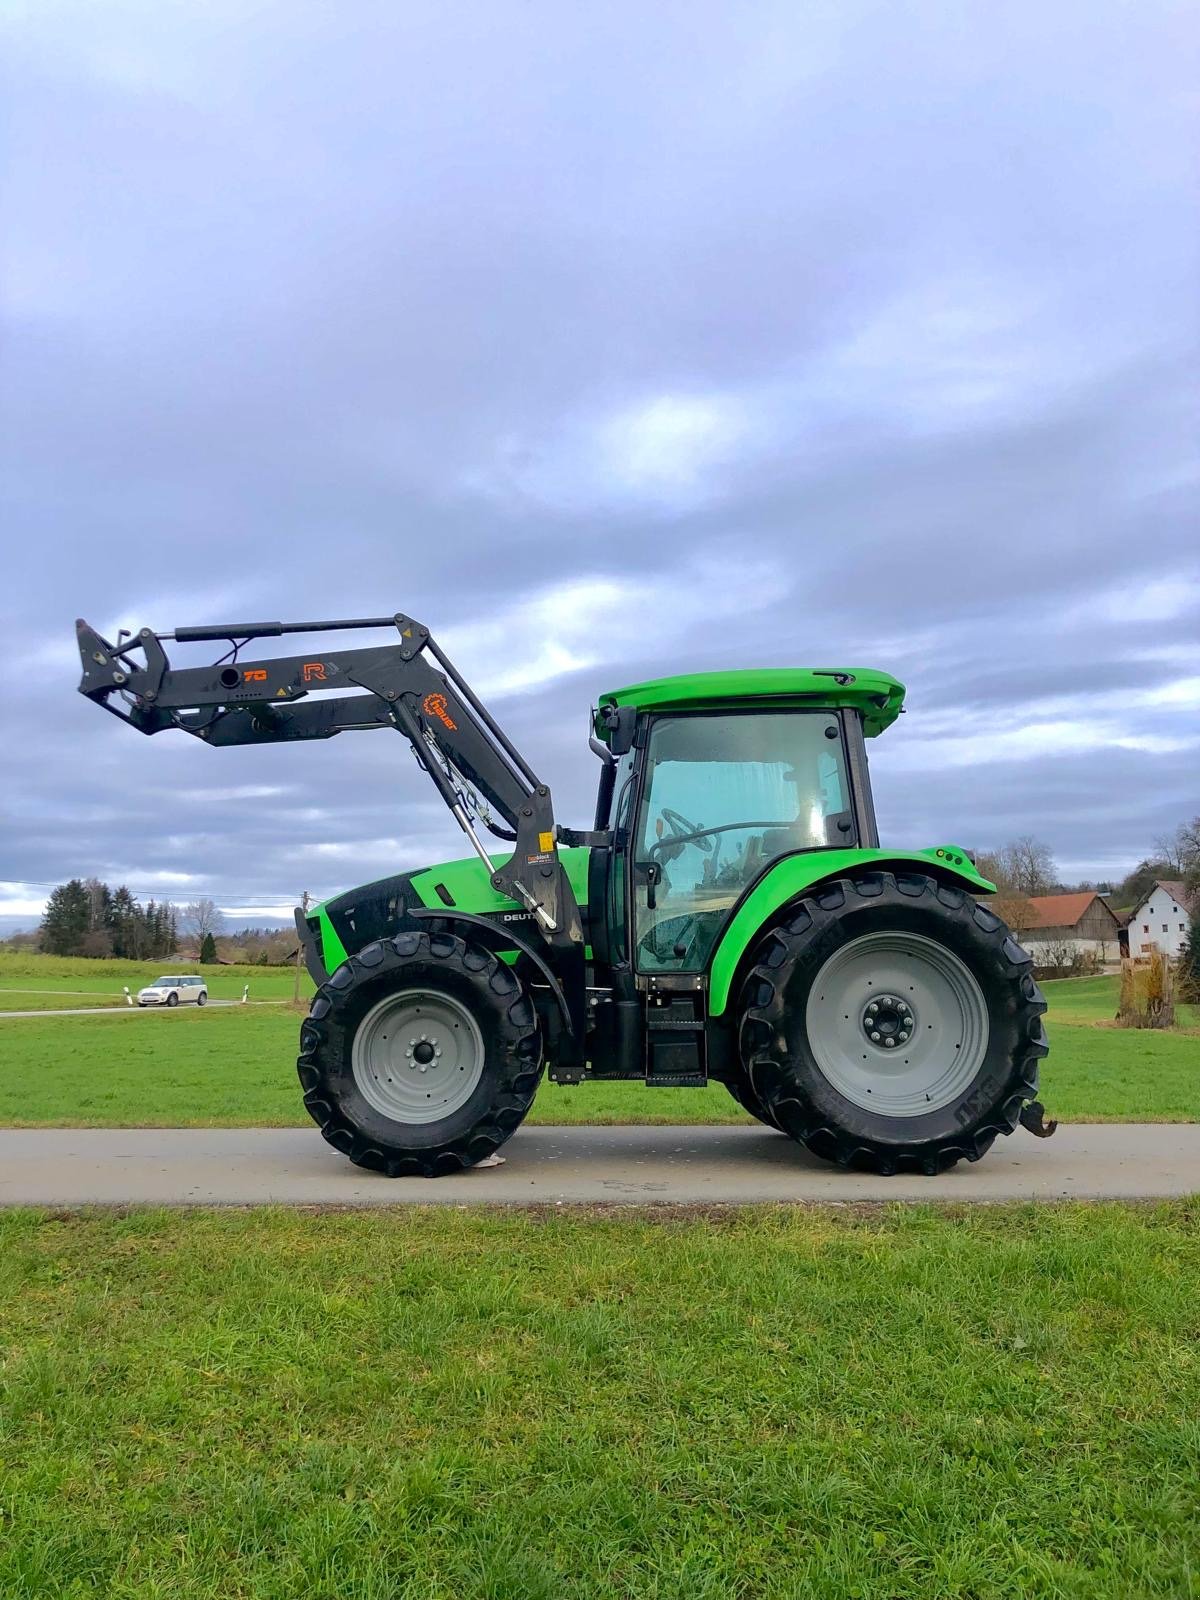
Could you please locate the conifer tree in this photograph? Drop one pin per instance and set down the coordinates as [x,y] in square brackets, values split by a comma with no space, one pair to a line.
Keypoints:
[66,920]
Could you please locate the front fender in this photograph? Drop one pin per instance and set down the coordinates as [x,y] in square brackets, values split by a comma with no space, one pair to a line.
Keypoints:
[790,876]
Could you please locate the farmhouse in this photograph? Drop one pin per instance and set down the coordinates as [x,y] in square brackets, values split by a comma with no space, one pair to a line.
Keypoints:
[1161,920]
[1066,925]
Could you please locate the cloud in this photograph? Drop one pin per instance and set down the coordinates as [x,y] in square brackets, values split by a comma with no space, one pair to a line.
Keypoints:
[609,345]
[663,453]
[592,623]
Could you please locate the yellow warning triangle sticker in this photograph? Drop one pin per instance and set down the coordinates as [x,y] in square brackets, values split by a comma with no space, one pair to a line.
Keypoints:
[407,634]
[282,694]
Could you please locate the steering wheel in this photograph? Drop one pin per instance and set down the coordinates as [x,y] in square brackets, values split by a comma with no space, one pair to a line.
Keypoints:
[682,829]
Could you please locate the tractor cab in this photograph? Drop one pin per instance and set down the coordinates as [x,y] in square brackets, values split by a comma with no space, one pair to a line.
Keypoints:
[712,778]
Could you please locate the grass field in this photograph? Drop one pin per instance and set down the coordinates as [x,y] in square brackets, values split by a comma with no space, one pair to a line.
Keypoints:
[764,1405]
[1095,1000]
[236,1066]
[45,983]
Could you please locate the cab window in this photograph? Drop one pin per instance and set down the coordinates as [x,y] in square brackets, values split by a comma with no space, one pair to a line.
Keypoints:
[723,797]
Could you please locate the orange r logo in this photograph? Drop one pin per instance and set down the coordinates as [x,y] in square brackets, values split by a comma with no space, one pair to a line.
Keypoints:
[314,670]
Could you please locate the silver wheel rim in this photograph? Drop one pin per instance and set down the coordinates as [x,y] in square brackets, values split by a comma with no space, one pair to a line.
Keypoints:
[897,1024]
[417,1056]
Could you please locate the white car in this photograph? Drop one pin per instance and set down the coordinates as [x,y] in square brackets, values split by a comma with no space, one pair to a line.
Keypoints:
[170,991]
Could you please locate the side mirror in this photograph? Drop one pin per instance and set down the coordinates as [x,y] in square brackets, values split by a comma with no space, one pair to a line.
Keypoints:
[621,723]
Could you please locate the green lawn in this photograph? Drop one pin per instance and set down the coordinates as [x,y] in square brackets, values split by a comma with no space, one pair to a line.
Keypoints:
[1095,1000]
[58,999]
[237,1067]
[41,983]
[763,1405]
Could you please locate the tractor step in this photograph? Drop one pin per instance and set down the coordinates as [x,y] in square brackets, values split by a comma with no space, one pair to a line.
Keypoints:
[675,1047]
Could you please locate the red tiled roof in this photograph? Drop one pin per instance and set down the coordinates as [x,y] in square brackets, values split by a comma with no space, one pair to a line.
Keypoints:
[1061,910]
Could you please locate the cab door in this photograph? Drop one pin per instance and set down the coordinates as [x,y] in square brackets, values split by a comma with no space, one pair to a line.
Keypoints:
[723,795]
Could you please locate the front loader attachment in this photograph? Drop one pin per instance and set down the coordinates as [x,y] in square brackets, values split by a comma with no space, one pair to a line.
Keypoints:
[407,684]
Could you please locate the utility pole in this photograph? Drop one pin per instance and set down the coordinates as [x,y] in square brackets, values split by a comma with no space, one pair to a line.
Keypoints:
[300,951]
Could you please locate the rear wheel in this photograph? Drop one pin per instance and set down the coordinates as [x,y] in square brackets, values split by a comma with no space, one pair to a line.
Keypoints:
[202,999]
[745,1096]
[892,1024]
[421,1055]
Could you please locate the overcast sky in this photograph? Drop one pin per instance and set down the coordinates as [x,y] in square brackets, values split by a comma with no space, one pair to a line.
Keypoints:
[608,340]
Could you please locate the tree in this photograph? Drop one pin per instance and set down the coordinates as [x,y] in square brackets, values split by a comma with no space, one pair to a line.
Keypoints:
[1014,910]
[1134,888]
[1020,869]
[67,919]
[126,925]
[1029,866]
[201,917]
[1180,852]
[99,905]
[208,950]
[1189,965]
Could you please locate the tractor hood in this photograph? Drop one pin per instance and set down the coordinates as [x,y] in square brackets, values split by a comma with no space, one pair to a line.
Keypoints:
[348,921]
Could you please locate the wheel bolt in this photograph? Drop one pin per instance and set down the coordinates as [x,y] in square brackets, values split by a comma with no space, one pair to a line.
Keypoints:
[890,1044]
[875,1036]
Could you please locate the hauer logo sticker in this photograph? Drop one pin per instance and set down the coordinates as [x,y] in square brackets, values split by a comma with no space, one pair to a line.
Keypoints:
[434,705]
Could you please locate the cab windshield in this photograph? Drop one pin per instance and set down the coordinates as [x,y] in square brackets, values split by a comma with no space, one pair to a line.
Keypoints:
[723,797]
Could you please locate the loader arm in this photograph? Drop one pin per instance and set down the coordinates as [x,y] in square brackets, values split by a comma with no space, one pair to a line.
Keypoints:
[407,684]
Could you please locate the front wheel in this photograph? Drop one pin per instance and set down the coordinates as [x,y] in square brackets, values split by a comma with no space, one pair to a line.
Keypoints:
[172,999]
[892,1023]
[421,1055]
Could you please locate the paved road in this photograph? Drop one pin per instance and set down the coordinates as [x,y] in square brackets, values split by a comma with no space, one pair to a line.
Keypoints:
[614,1166]
[122,1010]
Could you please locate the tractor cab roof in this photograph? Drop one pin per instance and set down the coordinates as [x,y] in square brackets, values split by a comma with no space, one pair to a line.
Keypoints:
[877,695]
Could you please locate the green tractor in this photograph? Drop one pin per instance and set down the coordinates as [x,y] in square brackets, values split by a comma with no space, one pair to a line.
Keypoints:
[730,914]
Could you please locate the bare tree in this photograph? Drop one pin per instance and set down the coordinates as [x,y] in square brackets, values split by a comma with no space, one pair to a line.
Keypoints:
[201,917]
[1028,866]
[99,903]
[1013,909]
[1167,848]
[990,864]
[1180,854]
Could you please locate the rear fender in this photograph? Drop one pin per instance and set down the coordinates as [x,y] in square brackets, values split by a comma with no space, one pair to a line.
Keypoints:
[791,876]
